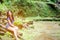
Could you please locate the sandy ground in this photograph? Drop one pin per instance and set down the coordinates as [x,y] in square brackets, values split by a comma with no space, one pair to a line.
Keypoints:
[43,30]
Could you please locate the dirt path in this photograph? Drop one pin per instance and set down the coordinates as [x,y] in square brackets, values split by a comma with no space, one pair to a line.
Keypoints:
[47,30]
[43,30]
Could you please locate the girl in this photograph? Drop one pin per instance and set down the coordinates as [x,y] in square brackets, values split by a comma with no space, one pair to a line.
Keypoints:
[10,26]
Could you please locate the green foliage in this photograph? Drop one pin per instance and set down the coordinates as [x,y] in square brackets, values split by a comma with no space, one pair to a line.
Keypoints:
[17,21]
[32,8]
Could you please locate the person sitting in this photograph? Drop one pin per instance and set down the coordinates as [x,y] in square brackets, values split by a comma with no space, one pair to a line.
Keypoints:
[10,26]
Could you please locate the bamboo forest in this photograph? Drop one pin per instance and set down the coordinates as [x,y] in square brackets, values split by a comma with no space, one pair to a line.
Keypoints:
[29,19]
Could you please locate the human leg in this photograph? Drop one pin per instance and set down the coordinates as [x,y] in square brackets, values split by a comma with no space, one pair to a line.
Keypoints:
[18,33]
[14,31]
[11,29]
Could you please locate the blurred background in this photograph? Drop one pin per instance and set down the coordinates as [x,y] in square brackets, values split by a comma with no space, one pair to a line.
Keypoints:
[45,15]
